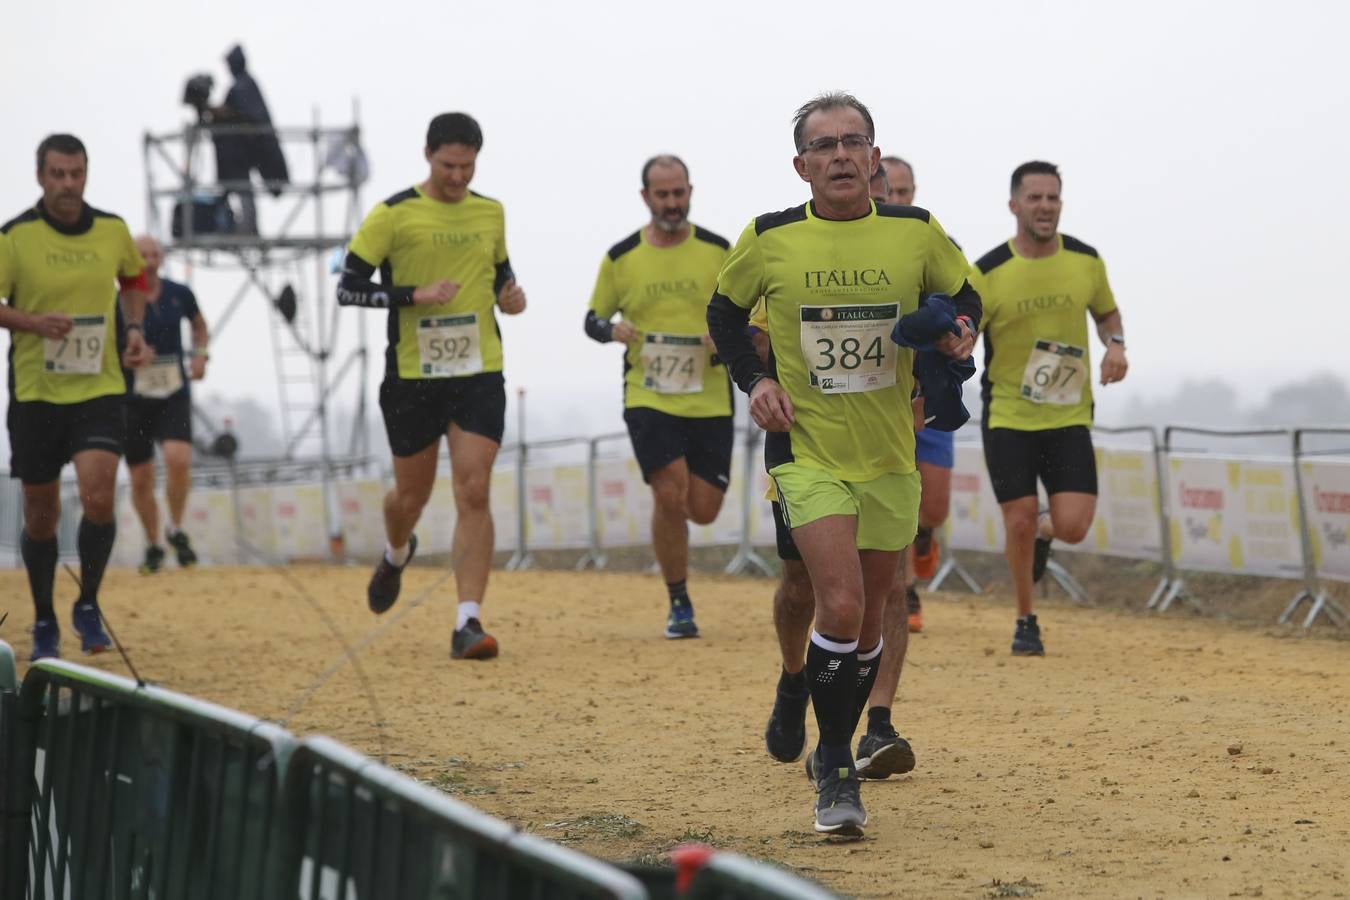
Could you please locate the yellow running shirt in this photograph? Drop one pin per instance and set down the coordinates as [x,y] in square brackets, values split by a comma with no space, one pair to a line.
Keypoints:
[414,240]
[1037,371]
[663,292]
[48,267]
[833,291]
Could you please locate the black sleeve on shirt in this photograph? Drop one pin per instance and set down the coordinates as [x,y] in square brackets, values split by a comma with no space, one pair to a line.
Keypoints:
[727,325]
[598,329]
[355,287]
[968,304]
[504,274]
[190,308]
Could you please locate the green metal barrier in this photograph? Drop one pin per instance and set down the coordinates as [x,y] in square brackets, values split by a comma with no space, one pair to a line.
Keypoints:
[360,829]
[11,839]
[134,792]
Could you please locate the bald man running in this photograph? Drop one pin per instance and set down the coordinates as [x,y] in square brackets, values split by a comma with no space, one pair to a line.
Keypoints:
[159,409]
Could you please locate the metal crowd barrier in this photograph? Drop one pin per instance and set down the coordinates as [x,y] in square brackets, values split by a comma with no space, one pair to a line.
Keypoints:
[1312,591]
[114,789]
[364,830]
[135,791]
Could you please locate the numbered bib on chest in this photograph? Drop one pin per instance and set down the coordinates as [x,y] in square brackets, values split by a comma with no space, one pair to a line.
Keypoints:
[162,378]
[80,352]
[673,363]
[848,349]
[447,346]
[1055,373]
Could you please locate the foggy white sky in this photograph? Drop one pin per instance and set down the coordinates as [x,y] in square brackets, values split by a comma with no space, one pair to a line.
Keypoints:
[1204,146]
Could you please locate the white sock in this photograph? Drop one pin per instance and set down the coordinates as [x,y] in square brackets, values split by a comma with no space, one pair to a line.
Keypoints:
[397,556]
[468,609]
[170,531]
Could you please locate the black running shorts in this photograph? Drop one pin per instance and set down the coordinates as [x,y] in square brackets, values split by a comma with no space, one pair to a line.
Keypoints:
[660,438]
[43,436]
[1061,458]
[787,547]
[418,411]
[151,421]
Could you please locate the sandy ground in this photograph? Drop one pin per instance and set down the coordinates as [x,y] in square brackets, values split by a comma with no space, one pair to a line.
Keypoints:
[1145,756]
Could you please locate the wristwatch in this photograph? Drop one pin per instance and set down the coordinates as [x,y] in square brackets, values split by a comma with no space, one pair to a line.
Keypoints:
[1118,339]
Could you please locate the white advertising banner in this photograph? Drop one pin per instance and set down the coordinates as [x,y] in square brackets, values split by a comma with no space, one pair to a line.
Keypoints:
[556,507]
[255,524]
[361,512]
[209,522]
[625,504]
[1326,497]
[1230,515]
[299,521]
[975,521]
[502,499]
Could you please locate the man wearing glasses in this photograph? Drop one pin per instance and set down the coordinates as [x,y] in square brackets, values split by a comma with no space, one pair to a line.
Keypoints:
[676,397]
[836,274]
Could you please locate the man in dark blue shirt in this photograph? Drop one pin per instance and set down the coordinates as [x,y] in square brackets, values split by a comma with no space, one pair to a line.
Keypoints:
[159,408]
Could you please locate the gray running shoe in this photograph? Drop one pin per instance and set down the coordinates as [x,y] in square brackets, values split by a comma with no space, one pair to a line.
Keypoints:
[472,642]
[883,755]
[839,808]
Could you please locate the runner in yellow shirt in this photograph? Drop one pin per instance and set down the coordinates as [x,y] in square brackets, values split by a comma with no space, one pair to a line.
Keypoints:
[836,274]
[677,399]
[441,252]
[1038,290]
[60,264]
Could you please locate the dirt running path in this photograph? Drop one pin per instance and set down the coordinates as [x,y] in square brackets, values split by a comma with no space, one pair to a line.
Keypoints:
[1101,770]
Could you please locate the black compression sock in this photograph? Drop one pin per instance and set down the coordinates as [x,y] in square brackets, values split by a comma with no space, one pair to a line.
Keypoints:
[39,558]
[832,671]
[868,663]
[879,720]
[95,545]
[678,590]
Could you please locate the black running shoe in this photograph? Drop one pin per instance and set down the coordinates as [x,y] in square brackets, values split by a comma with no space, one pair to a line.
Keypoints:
[1027,638]
[785,735]
[839,808]
[187,557]
[387,580]
[883,754]
[154,560]
[472,642]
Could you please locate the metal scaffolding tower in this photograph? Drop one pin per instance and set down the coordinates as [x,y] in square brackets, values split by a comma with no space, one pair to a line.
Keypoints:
[298,242]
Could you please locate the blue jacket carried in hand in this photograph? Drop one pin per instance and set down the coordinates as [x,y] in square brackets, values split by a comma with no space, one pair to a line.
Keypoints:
[940,377]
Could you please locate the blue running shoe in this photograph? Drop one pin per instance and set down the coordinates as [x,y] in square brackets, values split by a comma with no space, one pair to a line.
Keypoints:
[89,626]
[680,624]
[46,640]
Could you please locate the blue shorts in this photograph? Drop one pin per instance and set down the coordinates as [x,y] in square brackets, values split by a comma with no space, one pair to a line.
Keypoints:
[935,448]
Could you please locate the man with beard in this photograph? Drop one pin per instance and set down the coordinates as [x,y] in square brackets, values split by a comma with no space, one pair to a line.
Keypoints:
[836,275]
[1039,288]
[677,399]
[59,262]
